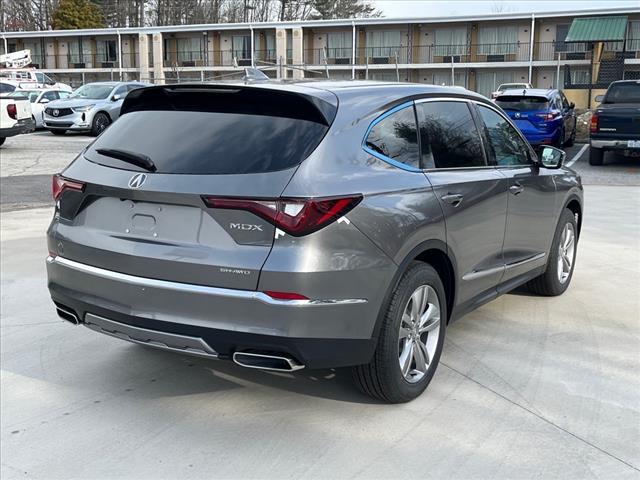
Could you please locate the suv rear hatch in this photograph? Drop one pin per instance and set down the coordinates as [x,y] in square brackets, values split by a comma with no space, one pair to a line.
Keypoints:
[527,111]
[139,207]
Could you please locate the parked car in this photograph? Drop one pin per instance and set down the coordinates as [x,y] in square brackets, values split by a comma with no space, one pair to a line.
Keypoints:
[544,116]
[15,116]
[510,86]
[91,108]
[39,99]
[308,225]
[30,78]
[615,124]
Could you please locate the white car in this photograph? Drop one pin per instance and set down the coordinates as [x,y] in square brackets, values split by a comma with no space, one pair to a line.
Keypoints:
[39,99]
[510,86]
[15,116]
[30,78]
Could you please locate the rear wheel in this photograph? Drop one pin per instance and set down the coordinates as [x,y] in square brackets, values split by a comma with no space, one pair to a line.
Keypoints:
[562,258]
[559,142]
[596,156]
[2,139]
[572,139]
[58,132]
[410,340]
[100,123]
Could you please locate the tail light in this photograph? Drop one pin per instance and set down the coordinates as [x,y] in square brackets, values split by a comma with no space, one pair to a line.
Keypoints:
[285,295]
[59,184]
[593,126]
[548,116]
[12,110]
[295,216]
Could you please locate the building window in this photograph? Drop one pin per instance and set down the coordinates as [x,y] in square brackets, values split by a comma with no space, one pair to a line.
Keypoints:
[106,51]
[561,33]
[444,78]
[500,40]
[487,82]
[384,43]
[450,41]
[339,44]
[241,46]
[189,49]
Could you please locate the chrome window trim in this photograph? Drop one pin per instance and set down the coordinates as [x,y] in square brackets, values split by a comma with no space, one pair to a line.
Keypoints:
[198,289]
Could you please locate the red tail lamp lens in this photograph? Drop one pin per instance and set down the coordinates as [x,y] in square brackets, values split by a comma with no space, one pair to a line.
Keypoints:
[285,295]
[593,126]
[295,216]
[12,110]
[59,184]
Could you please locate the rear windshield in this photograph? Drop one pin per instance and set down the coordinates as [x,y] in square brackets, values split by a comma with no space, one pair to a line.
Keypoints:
[195,142]
[623,93]
[522,103]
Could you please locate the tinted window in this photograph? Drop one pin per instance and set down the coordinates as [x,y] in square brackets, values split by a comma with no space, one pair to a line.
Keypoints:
[50,95]
[505,144]
[194,142]
[509,102]
[6,87]
[93,91]
[396,137]
[623,93]
[449,136]
[63,94]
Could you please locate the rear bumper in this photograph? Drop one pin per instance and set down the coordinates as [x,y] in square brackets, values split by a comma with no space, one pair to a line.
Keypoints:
[22,126]
[319,333]
[617,144]
[542,138]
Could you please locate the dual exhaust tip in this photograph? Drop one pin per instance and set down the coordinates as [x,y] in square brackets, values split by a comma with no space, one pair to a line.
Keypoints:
[261,361]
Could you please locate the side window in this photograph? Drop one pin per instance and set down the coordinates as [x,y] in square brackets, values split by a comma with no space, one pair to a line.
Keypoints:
[565,102]
[63,94]
[449,136]
[50,96]
[505,142]
[40,77]
[396,137]
[121,90]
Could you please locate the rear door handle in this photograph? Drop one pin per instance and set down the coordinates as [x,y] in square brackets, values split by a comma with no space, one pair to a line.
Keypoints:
[516,188]
[453,198]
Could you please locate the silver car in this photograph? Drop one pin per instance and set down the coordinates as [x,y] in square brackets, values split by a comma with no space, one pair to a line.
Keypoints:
[308,225]
[91,108]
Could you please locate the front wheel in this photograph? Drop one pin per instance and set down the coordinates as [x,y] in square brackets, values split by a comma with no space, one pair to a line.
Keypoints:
[58,132]
[2,139]
[100,123]
[410,339]
[562,258]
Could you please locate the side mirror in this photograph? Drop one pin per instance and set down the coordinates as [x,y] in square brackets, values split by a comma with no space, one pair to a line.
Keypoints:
[572,105]
[552,157]
[599,98]
[51,82]
[116,97]
[44,100]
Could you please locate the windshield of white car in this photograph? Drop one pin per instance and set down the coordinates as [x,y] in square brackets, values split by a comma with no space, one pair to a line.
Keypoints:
[93,91]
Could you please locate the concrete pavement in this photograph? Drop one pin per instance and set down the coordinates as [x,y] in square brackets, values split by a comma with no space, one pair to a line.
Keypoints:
[528,387]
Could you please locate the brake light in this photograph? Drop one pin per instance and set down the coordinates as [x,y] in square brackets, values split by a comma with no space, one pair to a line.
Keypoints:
[12,110]
[548,116]
[295,216]
[59,184]
[285,295]
[594,125]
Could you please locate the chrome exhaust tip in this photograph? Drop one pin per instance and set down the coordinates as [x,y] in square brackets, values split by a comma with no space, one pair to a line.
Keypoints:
[261,361]
[68,315]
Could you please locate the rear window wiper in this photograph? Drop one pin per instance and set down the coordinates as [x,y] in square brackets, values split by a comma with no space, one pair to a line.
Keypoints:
[130,157]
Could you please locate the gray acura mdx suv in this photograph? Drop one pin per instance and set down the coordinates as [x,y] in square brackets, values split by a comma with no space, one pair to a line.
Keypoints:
[285,226]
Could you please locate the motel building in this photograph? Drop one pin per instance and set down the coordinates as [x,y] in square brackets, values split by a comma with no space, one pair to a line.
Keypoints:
[579,52]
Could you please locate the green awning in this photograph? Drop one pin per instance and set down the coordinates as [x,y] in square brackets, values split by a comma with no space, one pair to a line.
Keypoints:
[597,29]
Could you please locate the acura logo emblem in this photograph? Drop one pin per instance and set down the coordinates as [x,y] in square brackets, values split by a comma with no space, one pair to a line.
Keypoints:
[517,115]
[137,180]
[56,112]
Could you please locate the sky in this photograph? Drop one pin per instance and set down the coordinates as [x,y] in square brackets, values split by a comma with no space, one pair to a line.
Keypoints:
[437,8]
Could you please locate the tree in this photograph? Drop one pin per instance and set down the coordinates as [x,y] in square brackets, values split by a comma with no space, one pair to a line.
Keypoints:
[76,14]
[328,9]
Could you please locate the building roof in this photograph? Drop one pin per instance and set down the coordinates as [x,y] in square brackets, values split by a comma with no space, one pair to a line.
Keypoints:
[318,23]
[597,29]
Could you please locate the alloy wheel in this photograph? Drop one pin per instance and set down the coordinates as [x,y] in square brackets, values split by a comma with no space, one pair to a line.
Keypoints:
[566,251]
[419,332]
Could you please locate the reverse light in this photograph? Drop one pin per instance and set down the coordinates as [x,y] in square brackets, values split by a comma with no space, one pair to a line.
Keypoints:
[12,110]
[594,125]
[59,184]
[295,216]
[285,295]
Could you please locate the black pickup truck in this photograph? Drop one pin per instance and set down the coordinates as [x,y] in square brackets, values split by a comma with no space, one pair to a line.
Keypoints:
[615,124]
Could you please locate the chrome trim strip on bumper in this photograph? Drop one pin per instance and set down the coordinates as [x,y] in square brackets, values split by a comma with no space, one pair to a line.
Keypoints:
[490,271]
[199,289]
[153,338]
[622,144]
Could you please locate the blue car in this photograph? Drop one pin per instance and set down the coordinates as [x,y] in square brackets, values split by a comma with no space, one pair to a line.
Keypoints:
[545,117]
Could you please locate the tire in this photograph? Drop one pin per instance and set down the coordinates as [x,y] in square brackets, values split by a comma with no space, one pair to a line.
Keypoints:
[596,156]
[100,123]
[560,141]
[58,132]
[572,139]
[2,139]
[549,283]
[383,378]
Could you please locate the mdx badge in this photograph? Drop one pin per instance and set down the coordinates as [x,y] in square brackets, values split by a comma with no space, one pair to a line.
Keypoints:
[245,226]
[137,180]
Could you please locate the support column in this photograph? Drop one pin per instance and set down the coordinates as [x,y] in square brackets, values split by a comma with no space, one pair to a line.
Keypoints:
[297,51]
[158,59]
[143,57]
[281,52]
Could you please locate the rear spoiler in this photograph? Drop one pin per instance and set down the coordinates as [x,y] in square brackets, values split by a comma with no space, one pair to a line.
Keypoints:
[317,106]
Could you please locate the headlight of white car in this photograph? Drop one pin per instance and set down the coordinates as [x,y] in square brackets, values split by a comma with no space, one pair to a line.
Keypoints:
[85,108]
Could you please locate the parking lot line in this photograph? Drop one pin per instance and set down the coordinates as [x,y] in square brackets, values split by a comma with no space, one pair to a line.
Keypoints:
[578,155]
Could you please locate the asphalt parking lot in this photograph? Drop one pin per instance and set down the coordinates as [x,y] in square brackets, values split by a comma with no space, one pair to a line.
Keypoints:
[527,386]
